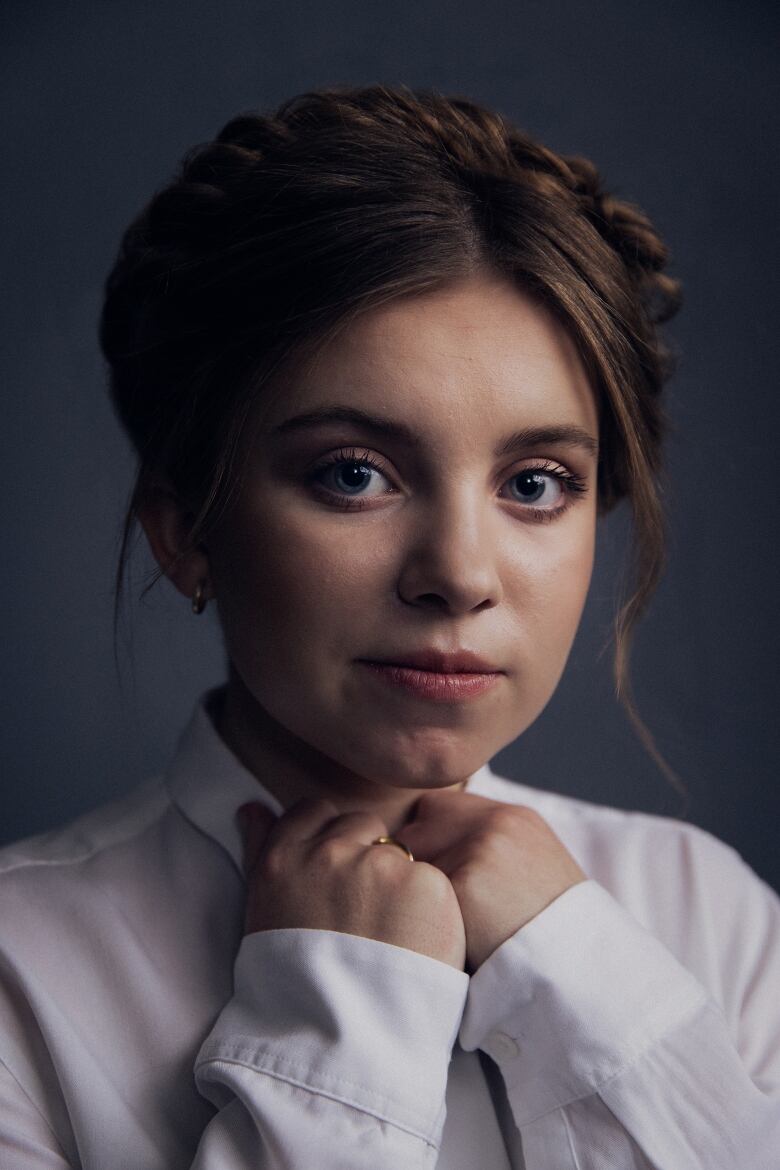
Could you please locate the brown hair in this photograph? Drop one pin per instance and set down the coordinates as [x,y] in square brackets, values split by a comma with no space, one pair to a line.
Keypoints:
[275,235]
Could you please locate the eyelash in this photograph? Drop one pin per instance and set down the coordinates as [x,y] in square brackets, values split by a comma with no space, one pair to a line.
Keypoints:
[572,484]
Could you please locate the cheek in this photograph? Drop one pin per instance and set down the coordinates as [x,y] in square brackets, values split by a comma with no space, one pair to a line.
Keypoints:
[549,587]
[552,585]
[294,583]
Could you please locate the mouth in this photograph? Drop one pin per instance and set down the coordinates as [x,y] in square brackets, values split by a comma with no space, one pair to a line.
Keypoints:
[439,678]
[438,662]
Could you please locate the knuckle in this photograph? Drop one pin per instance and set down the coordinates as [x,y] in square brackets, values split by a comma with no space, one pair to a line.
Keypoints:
[531,815]
[320,804]
[470,870]
[381,859]
[503,816]
[332,851]
[305,810]
[430,880]
[364,822]
[272,864]
[510,818]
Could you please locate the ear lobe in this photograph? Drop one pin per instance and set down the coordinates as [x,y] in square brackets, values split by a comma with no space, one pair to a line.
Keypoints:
[167,523]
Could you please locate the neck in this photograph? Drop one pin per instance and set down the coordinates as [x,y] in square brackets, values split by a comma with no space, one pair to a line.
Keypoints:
[292,769]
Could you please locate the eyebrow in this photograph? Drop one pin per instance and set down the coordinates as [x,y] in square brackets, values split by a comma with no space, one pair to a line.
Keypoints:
[566,434]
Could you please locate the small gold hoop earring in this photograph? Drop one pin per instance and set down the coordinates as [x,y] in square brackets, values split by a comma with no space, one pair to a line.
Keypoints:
[199,598]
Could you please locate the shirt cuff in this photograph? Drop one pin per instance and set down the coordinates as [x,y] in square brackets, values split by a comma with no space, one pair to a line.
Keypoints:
[364,1022]
[573,998]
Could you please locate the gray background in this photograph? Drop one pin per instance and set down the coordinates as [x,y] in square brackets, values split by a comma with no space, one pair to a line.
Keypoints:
[675,102]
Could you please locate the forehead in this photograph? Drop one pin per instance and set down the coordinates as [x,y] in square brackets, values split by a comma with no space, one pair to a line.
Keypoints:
[478,355]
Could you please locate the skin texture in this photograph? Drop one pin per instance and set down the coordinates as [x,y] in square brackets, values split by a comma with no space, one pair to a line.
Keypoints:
[443,551]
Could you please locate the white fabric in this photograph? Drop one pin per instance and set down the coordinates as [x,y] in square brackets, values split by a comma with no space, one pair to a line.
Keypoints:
[634,1023]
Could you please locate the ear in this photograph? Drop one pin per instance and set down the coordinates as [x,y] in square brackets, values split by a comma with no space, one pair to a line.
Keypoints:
[167,521]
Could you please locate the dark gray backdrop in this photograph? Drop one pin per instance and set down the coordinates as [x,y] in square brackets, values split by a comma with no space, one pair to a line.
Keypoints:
[675,101]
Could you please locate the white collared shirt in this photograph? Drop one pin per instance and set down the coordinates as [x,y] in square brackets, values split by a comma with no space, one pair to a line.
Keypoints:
[634,1023]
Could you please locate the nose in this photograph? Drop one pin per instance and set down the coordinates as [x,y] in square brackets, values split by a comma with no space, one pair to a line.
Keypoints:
[451,562]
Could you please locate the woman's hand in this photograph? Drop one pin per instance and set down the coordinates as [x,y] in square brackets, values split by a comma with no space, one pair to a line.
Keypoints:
[504,861]
[316,868]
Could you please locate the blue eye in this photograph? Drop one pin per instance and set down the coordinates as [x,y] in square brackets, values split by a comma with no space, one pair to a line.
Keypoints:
[533,484]
[350,477]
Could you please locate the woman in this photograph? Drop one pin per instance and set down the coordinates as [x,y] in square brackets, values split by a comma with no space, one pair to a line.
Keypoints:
[385,360]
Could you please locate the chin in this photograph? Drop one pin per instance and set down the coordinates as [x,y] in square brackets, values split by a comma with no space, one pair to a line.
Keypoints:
[424,762]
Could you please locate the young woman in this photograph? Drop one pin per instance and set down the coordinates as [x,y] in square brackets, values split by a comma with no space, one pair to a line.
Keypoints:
[385,360]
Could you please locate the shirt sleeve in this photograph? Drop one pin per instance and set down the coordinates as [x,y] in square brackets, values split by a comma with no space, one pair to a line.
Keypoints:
[333,1051]
[614,1054]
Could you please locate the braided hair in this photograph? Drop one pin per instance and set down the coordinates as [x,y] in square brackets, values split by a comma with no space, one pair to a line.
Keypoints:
[275,235]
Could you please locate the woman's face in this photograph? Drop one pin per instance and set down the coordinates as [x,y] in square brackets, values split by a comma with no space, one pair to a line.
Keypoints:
[427,484]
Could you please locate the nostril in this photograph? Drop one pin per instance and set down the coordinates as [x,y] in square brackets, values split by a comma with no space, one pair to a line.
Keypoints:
[434,599]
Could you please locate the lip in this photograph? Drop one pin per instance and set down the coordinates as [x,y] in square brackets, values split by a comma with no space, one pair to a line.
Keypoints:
[436,676]
[439,662]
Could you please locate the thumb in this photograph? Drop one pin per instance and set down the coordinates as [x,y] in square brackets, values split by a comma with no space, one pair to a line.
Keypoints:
[254,822]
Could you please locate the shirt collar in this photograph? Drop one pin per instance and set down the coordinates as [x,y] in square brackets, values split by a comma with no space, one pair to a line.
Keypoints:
[208,783]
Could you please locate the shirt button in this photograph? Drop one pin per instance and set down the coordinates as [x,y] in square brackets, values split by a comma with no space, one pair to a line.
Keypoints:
[501,1047]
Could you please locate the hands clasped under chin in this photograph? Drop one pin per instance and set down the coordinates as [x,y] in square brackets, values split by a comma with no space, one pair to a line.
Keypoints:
[482,869]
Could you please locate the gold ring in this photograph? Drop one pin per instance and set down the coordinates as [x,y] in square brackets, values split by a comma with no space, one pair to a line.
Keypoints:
[394,841]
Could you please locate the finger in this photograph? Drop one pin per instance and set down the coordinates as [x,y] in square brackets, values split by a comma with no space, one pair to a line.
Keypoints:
[437,821]
[302,820]
[255,822]
[447,802]
[361,827]
[427,844]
